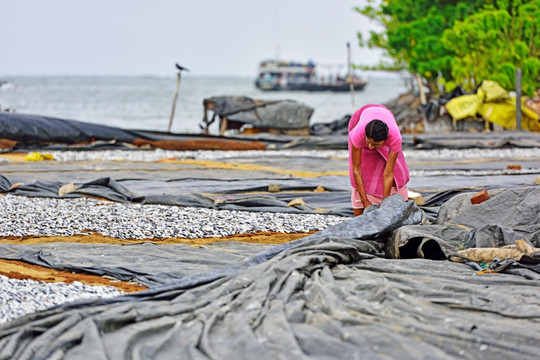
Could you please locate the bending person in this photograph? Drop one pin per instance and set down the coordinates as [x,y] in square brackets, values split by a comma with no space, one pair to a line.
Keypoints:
[377,167]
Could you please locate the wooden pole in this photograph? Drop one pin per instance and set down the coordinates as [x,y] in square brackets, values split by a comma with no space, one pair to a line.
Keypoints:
[518,99]
[224,125]
[421,89]
[349,75]
[174,101]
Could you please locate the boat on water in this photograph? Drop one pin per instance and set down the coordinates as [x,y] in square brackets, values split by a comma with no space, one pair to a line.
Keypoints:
[274,75]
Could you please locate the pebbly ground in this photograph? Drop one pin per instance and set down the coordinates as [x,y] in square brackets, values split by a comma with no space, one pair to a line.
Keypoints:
[23,216]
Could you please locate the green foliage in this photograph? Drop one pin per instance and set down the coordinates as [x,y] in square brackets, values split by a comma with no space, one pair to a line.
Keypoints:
[493,43]
[457,42]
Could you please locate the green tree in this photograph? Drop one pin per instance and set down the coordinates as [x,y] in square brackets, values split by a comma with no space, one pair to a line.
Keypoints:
[455,42]
[412,34]
[493,43]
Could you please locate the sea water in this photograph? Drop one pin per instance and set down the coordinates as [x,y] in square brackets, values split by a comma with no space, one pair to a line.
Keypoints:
[145,102]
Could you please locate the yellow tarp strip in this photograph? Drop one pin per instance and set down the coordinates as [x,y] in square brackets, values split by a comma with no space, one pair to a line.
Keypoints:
[252,167]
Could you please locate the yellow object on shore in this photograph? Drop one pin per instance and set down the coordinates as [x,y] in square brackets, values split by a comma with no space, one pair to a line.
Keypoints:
[491,91]
[504,114]
[495,105]
[465,106]
[35,156]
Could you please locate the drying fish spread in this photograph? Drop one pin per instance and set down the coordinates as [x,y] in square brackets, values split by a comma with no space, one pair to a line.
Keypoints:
[376,286]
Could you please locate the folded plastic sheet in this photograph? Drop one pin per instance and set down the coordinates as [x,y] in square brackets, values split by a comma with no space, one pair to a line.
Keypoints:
[44,132]
[250,194]
[281,114]
[32,129]
[326,296]
[190,193]
[508,215]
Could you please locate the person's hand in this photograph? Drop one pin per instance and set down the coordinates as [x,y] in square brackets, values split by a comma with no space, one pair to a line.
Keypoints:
[367,204]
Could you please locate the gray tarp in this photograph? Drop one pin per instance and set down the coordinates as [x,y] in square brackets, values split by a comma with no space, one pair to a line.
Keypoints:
[182,193]
[326,296]
[35,131]
[508,215]
[44,132]
[240,194]
[142,263]
[32,129]
[278,114]
[456,140]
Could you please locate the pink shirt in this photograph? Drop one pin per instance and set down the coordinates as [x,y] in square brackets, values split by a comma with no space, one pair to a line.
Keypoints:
[374,161]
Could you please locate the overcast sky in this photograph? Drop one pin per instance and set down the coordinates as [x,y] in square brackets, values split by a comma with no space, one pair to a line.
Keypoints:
[146,37]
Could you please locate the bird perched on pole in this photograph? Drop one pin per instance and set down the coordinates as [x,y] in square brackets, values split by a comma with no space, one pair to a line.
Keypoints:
[180,69]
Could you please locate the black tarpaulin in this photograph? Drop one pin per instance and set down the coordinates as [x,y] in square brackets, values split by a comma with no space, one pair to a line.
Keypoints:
[326,296]
[508,215]
[51,133]
[183,193]
[278,114]
[248,194]
[35,131]
[32,129]
[142,263]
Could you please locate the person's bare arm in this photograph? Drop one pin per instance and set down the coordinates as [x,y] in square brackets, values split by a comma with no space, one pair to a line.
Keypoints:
[356,155]
[388,174]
